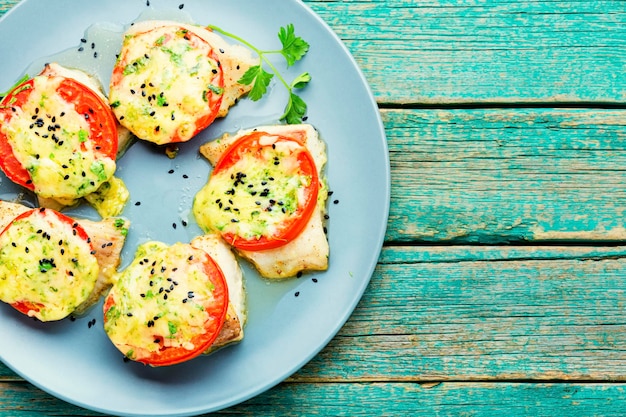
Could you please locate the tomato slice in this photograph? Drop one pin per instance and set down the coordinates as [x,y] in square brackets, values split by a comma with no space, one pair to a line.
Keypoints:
[262,192]
[100,119]
[47,267]
[166,106]
[168,306]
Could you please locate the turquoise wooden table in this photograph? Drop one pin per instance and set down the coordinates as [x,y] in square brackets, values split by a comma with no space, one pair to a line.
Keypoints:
[501,287]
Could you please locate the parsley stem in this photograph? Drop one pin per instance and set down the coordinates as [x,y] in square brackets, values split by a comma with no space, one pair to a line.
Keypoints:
[258,51]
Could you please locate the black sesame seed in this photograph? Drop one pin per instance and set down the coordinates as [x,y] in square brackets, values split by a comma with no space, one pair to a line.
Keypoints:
[299,274]
[174,225]
[297,293]
[138,203]
[336,202]
[181,6]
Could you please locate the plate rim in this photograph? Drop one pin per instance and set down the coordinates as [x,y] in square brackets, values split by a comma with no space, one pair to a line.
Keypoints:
[365,280]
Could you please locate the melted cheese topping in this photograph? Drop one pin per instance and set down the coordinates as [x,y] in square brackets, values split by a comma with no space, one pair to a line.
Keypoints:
[256,194]
[163,88]
[110,199]
[42,262]
[50,139]
[159,297]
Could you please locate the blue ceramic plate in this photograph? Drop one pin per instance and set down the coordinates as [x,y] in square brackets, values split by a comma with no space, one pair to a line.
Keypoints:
[289,322]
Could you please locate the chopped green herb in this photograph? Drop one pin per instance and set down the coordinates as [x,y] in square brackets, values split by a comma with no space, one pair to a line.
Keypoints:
[83,135]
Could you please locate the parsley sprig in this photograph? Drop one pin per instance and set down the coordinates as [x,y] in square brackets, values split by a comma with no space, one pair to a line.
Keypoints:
[293,49]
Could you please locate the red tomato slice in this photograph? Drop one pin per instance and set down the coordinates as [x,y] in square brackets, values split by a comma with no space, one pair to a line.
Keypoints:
[34,306]
[293,223]
[102,123]
[214,309]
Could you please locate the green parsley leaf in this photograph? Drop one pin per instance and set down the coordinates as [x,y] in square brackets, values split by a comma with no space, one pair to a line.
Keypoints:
[14,86]
[259,78]
[295,109]
[294,47]
[301,80]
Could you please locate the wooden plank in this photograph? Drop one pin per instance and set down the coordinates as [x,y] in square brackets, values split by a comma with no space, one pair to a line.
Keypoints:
[451,52]
[478,51]
[5,5]
[484,313]
[506,175]
[384,398]
[460,313]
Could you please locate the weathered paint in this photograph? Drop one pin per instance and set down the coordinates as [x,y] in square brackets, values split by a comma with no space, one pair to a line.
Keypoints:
[506,175]
[388,399]
[448,330]
[451,52]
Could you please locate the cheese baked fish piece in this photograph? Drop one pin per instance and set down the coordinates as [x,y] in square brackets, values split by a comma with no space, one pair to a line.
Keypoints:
[108,237]
[173,79]
[310,249]
[124,140]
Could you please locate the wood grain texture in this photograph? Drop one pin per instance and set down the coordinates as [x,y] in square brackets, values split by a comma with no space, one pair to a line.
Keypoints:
[6,5]
[383,398]
[476,330]
[476,51]
[506,175]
